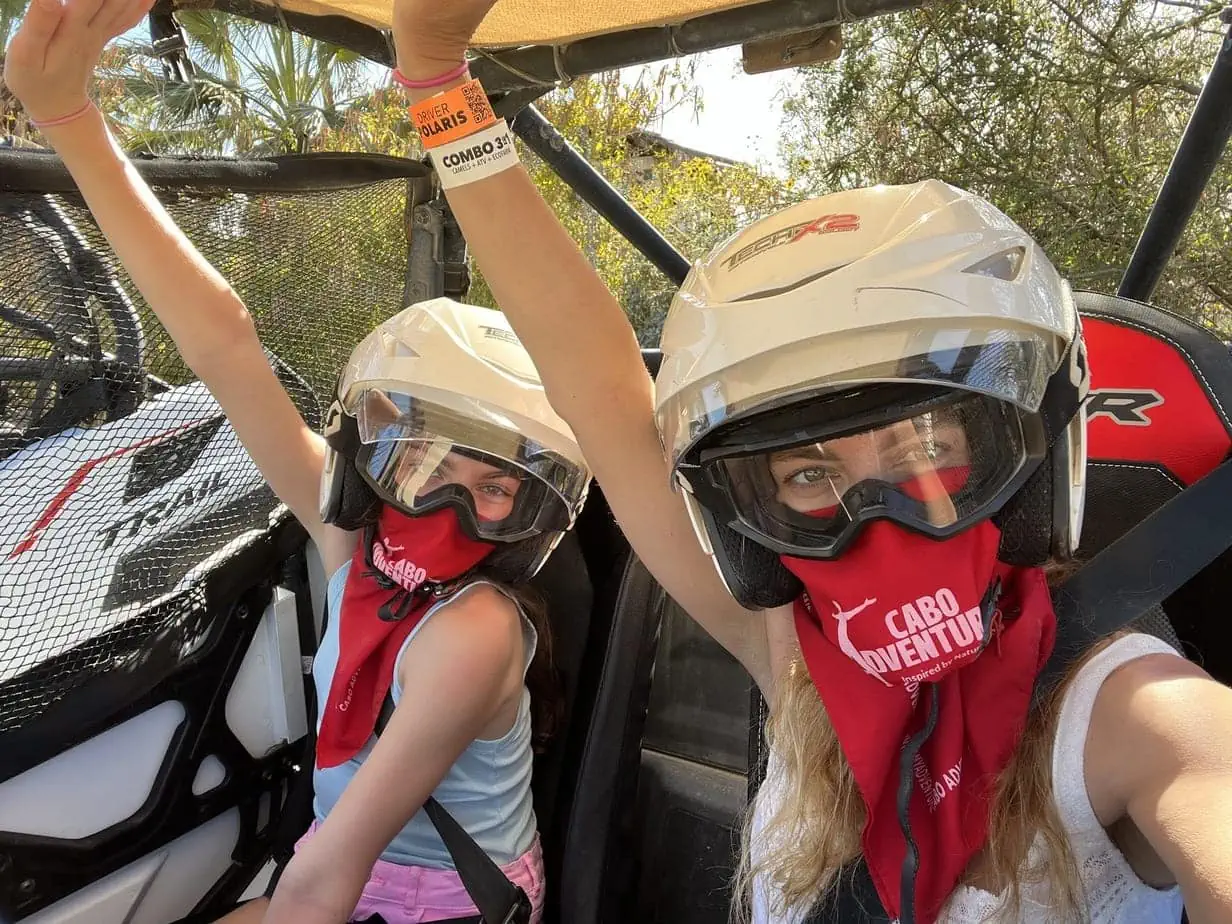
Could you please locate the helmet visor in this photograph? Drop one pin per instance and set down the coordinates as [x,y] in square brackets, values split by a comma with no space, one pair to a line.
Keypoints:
[1009,364]
[420,456]
[935,467]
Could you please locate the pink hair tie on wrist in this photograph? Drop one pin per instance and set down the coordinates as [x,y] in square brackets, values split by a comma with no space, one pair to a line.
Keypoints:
[439,80]
[64,120]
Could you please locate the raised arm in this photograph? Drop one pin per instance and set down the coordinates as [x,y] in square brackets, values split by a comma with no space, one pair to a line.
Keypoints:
[48,67]
[582,344]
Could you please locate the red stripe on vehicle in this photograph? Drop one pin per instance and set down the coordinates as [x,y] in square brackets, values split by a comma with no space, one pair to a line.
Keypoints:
[52,510]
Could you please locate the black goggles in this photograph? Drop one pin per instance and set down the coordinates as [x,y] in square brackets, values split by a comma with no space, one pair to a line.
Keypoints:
[803,479]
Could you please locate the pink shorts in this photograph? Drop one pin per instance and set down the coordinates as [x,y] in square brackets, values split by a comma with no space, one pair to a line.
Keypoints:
[417,894]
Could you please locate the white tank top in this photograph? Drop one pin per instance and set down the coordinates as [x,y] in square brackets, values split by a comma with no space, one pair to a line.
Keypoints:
[1115,895]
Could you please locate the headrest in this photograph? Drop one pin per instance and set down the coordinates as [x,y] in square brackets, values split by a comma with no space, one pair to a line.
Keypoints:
[1157,421]
[1158,413]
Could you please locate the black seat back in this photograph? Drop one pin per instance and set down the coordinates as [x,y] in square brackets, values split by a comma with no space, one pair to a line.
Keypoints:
[564,584]
[1157,421]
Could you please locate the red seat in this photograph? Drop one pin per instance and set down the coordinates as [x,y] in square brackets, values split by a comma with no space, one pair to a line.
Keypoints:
[1158,420]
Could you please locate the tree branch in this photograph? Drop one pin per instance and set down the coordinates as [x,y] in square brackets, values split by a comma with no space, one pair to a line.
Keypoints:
[1224,295]
[1113,58]
[1196,7]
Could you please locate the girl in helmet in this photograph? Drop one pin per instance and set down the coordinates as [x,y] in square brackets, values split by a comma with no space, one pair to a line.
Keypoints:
[870,409]
[443,481]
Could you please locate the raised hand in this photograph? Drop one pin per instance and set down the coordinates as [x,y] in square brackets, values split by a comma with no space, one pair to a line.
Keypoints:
[53,54]
[431,36]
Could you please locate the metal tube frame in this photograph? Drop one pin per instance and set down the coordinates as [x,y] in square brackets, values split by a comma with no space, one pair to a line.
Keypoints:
[1206,137]
[436,250]
[543,138]
[515,77]
[543,66]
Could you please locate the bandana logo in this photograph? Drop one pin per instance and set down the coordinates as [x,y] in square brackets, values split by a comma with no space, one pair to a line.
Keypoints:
[844,639]
[345,704]
[930,633]
[934,792]
[403,571]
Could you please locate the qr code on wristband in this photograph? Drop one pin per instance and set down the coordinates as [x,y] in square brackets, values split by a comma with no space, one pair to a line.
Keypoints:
[477,100]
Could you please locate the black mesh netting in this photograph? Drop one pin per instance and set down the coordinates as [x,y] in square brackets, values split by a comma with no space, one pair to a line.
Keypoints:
[122,484]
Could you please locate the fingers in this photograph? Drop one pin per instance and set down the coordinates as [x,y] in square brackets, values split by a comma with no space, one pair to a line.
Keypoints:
[938,503]
[116,17]
[139,10]
[79,14]
[29,46]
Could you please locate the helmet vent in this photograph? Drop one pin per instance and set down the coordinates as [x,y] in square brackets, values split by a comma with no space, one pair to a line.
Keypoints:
[767,293]
[1004,265]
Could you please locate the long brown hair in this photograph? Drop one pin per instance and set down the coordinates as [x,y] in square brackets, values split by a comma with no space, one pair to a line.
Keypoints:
[547,698]
[816,828]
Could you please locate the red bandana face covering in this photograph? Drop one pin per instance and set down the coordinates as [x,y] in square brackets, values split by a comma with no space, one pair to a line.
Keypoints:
[892,633]
[384,599]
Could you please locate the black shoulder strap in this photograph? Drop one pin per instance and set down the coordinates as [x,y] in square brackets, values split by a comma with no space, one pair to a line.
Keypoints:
[1140,570]
[855,901]
[759,754]
[499,900]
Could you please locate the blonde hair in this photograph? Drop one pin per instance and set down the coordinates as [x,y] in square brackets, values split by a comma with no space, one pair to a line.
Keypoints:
[816,828]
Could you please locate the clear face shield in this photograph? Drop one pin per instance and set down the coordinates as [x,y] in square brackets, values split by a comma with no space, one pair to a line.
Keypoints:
[420,456]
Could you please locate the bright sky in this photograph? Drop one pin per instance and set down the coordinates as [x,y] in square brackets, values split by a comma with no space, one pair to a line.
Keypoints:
[741,112]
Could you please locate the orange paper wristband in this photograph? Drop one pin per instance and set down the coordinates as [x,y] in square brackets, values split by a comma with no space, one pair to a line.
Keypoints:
[452,115]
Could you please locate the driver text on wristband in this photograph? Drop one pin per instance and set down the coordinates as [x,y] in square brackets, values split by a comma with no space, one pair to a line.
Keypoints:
[452,115]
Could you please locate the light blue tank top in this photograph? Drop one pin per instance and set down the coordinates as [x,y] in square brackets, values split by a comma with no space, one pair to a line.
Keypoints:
[487,790]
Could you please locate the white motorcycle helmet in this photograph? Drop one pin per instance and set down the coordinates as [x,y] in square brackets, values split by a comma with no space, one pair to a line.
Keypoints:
[918,323]
[438,381]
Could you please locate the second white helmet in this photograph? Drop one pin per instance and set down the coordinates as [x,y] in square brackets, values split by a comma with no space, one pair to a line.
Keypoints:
[442,380]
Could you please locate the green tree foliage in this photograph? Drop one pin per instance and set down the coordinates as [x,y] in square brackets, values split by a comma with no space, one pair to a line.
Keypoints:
[1065,113]
[259,90]
[694,201]
[256,90]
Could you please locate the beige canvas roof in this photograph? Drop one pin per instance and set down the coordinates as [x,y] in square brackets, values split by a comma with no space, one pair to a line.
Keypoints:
[538,22]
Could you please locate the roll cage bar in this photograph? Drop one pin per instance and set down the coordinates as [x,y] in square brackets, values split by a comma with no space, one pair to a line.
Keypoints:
[515,78]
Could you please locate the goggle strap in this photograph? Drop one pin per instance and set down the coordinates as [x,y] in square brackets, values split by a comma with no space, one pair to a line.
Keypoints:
[341,431]
[1063,398]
